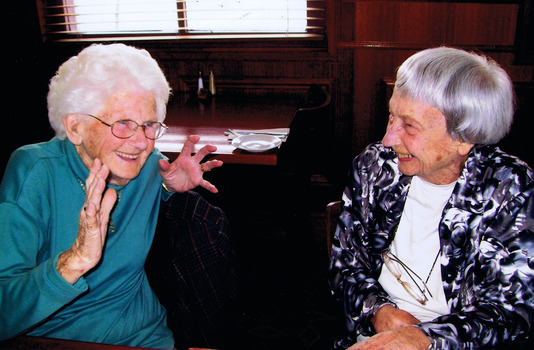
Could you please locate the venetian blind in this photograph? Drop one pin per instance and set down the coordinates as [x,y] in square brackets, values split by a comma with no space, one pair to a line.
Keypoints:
[80,20]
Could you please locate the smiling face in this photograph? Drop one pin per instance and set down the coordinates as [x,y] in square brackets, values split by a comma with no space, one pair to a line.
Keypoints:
[417,132]
[92,139]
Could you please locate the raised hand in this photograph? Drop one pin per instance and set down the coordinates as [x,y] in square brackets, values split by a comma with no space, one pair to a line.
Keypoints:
[186,172]
[86,251]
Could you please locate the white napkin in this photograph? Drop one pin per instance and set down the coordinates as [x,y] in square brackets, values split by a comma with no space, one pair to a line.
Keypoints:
[282,133]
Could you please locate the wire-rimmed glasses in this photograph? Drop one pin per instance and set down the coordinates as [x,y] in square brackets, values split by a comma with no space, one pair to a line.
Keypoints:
[417,292]
[126,128]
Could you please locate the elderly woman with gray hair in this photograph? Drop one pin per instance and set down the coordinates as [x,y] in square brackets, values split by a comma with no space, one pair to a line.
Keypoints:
[79,212]
[434,246]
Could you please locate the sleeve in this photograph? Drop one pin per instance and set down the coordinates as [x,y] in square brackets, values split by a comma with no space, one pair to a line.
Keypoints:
[356,264]
[31,289]
[497,298]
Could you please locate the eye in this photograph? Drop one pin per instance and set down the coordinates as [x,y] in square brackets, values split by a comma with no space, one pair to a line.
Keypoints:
[410,128]
[151,124]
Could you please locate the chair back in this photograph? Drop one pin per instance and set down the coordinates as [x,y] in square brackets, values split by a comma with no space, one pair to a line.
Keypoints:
[310,135]
[333,209]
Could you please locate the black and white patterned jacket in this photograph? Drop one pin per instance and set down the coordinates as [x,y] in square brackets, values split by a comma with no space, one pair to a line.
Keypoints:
[487,246]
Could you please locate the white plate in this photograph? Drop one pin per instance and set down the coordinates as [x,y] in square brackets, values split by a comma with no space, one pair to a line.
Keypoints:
[256,143]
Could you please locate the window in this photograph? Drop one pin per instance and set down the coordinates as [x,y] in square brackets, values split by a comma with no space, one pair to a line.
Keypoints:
[96,20]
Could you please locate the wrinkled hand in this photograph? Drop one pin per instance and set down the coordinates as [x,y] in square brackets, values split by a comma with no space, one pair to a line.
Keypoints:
[404,338]
[86,251]
[395,330]
[389,317]
[186,173]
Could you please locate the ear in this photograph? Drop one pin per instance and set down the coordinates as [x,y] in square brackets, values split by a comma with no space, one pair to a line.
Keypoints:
[464,148]
[73,127]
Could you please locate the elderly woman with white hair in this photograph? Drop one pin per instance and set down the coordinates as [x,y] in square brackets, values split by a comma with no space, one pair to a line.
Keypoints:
[79,212]
[434,246]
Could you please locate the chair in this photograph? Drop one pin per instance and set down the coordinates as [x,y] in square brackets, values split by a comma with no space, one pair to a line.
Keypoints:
[310,137]
[333,209]
[308,161]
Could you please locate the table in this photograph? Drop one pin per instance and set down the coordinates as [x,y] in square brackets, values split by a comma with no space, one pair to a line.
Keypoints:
[27,342]
[212,118]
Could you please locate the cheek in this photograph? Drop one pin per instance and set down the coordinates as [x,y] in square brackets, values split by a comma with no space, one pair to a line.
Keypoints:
[102,147]
[91,143]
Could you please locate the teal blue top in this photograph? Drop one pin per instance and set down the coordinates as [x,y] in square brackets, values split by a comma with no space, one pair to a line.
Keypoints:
[41,196]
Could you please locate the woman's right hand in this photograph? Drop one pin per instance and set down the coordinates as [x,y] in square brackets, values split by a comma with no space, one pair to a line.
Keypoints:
[86,251]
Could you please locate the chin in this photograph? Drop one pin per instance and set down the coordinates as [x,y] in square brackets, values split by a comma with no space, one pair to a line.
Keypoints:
[122,180]
[407,171]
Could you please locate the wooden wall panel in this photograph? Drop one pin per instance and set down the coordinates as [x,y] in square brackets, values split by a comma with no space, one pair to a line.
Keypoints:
[431,23]
[401,22]
[380,35]
[484,24]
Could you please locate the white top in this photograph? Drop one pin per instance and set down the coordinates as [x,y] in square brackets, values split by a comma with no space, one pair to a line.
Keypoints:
[417,244]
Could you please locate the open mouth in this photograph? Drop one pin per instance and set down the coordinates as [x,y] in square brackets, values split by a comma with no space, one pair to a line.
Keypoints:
[404,155]
[126,155]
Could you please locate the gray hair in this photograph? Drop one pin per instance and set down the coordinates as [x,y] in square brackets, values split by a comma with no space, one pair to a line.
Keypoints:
[84,82]
[473,92]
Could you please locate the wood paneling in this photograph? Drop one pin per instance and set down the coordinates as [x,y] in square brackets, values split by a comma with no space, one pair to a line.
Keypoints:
[375,37]
[430,23]
[367,41]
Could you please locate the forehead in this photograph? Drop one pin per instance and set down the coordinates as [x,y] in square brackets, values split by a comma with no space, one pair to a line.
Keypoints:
[418,111]
[131,103]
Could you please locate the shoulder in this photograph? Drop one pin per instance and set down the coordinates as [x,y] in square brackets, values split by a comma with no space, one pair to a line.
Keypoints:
[28,166]
[28,155]
[494,180]
[499,169]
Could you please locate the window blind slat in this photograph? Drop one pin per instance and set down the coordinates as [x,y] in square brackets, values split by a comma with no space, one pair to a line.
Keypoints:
[70,19]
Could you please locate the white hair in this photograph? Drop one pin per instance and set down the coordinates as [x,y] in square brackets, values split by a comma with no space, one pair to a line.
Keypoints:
[473,92]
[85,82]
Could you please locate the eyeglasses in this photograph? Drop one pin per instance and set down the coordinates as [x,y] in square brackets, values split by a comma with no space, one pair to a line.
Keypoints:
[417,292]
[126,128]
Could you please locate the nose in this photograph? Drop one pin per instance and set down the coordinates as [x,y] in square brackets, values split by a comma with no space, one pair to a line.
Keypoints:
[392,136]
[138,139]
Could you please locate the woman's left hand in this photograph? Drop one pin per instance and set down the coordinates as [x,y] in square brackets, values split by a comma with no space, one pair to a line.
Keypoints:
[404,338]
[186,172]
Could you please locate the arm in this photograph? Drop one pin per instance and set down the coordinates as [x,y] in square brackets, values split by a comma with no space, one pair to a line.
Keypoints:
[35,283]
[360,238]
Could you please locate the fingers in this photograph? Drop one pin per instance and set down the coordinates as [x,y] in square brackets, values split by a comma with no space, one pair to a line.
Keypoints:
[164,165]
[209,186]
[97,206]
[211,164]
[189,145]
[95,186]
[189,148]
[110,197]
[204,151]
